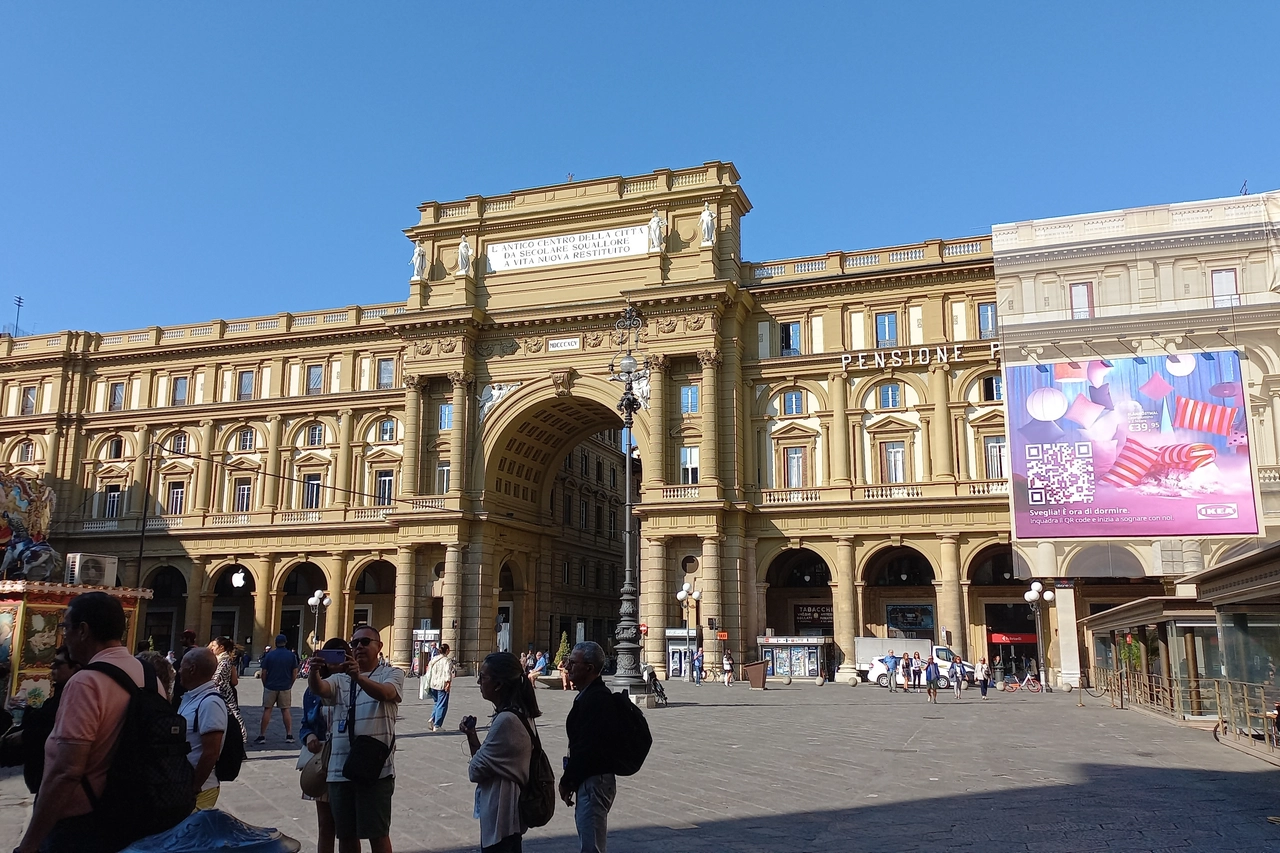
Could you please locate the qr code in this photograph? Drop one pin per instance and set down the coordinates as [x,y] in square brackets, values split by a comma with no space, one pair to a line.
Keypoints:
[1059,473]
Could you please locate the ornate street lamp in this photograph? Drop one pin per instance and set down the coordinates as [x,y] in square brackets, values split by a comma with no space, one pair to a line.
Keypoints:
[1034,596]
[625,368]
[685,595]
[318,602]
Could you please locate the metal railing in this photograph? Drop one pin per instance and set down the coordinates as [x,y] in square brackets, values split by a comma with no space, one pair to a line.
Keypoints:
[1247,715]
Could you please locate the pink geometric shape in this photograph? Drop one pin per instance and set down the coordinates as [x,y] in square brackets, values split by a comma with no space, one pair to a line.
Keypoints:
[1204,417]
[1097,372]
[1134,462]
[1156,387]
[1084,411]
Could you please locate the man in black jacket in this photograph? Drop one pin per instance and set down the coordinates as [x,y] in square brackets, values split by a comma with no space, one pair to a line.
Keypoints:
[587,768]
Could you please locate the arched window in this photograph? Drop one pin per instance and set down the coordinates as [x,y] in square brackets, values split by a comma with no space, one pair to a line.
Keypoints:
[315,435]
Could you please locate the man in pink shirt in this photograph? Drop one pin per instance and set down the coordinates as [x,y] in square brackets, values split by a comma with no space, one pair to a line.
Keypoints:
[89,723]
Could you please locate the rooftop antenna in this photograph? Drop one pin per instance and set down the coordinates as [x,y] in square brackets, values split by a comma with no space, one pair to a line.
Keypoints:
[1244,188]
[17,300]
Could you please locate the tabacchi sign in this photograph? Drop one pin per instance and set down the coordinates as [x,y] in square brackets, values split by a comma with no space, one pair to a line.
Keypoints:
[1131,447]
[568,249]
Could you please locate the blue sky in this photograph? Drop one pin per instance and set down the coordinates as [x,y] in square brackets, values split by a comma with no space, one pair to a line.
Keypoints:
[176,162]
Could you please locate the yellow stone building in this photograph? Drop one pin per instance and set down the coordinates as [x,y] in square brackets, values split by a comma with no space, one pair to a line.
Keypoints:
[821,450]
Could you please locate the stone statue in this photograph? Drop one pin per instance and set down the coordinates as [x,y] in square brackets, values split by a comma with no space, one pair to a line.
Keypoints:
[640,387]
[464,256]
[419,261]
[707,225]
[657,226]
[493,394]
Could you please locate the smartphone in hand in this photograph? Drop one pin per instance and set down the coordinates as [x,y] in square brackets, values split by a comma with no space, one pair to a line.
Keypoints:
[333,657]
[468,722]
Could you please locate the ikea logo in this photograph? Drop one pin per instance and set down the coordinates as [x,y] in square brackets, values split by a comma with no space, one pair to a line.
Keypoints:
[1213,512]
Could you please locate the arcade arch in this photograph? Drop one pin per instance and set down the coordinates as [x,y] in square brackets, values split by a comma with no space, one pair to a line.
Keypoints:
[798,601]
[900,599]
[162,617]
[296,620]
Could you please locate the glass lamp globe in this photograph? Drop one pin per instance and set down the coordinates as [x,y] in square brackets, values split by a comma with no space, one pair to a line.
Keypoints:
[681,595]
[1037,586]
[697,595]
[627,364]
[1049,595]
[1030,595]
[313,601]
[688,587]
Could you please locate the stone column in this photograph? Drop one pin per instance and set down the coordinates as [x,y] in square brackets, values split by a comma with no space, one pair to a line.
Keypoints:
[654,592]
[51,437]
[263,600]
[962,452]
[1275,420]
[204,468]
[336,620]
[859,456]
[939,382]
[656,464]
[711,603]
[271,476]
[709,466]
[860,606]
[950,607]
[458,435]
[140,487]
[926,448]
[839,430]
[342,465]
[195,592]
[751,622]
[406,598]
[1064,601]
[843,592]
[451,610]
[410,464]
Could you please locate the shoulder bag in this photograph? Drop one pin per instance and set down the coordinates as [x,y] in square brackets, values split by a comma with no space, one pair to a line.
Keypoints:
[368,755]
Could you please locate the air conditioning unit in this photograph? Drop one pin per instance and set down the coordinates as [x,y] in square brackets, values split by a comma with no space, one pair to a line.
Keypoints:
[91,569]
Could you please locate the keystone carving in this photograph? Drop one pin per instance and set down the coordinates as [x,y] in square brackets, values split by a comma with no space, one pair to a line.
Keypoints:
[562,379]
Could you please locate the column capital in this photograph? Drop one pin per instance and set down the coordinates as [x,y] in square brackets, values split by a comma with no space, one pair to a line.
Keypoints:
[414,381]
[346,413]
[460,378]
[206,423]
[709,358]
[949,537]
[273,419]
[659,539]
[838,375]
[844,540]
[658,362]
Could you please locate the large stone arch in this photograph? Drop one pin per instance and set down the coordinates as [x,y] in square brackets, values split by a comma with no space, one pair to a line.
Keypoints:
[766,554]
[871,559]
[776,389]
[859,391]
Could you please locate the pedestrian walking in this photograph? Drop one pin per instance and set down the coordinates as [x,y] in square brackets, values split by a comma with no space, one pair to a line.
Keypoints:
[439,682]
[891,667]
[931,675]
[24,744]
[500,766]
[698,659]
[956,673]
[905,667]
[918,667]
[207,720]
[227,680]
[279,674]
[587,772]
[362,772]
[982,675]
[727,663]
[314,731]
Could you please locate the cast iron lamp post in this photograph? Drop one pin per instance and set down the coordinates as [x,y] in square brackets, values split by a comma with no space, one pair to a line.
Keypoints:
[1034,596]
[685,595]
[318,602]
[625,368]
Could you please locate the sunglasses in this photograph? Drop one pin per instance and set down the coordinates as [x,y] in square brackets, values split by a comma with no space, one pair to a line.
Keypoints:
[363,641]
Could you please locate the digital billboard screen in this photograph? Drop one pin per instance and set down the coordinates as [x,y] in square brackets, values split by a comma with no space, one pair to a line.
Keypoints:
[1132,447]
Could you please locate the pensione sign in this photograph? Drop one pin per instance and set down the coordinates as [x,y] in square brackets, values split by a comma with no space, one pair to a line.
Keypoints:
[908,356]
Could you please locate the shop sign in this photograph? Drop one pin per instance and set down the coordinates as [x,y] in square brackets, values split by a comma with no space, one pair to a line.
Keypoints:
[813,616]
[1009,639]
[1139,447]
[722,635]
[908,356]
[568,248]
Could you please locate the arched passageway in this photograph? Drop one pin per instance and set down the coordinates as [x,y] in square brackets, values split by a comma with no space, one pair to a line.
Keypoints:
[798,600]
[232,613]
[297,621]
[900,598]
[373,598]
[163,615]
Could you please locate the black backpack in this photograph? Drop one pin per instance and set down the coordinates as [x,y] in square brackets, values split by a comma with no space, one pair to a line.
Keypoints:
[150,781]
[632,738]
[227,767]
[538,795]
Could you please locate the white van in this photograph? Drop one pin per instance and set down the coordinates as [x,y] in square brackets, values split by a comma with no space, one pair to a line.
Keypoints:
[879,674]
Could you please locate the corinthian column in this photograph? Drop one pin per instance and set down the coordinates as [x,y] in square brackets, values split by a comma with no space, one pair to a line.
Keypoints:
[458,434]
[271,477]
[710,467]
[839,430]
[409,466]
[656,464]
[939,382]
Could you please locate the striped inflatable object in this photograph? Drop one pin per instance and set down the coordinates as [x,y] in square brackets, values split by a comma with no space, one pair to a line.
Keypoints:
[1186,457]
[1134,462]
[1204,417]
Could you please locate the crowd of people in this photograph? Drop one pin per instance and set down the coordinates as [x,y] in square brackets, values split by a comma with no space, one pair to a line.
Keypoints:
[926,672]
[109,763]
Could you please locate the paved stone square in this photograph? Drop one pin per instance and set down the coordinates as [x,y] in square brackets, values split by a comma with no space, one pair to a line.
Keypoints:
[833,768]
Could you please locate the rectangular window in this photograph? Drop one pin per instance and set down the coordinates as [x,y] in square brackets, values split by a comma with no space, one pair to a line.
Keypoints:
[688,466]
[247,439]
[986,320]
[29,398]
[387,430]
[179,443]
[567,513]
[315,435]
[442,478]
[111,506]
[114,404]
[793,403]
[886,329]
[794,468]
[688,399]
[179,395]
[115,448]
[613,524]
[242,494]
[1225,294]
[177,497]
[26,452]
[789,338]
[383,482]
[992,388]
[1081,300]
[599,519]
[613,477]
[586,463]
[582,515]
[582,573]
[895,462]
[446,417]
[244,385]
[564,573]
[386,373]
[997,453]
[315,379]
[890,395]
[310,491]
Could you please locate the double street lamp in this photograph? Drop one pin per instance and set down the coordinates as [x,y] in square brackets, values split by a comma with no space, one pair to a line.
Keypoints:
[318,601]
[1034,596]
[625,368]
[685,595]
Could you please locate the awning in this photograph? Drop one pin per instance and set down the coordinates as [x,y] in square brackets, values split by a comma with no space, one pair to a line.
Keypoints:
[1147,611]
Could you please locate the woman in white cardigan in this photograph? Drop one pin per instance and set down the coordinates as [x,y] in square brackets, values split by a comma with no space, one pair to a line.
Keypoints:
[500,766]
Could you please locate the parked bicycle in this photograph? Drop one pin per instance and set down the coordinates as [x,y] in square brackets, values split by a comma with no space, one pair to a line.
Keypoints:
[1030,682]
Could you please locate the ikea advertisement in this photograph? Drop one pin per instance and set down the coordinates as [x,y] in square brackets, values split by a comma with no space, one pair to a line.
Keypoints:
[1132,447]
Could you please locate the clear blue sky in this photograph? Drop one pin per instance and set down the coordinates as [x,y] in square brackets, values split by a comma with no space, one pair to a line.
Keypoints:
[176,162]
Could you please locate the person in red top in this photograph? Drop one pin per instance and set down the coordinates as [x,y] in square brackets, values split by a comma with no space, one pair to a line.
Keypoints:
[90,719]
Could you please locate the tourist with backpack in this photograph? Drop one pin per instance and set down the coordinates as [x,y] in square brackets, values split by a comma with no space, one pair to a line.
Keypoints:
[588,769]
[509,798]
[206,714]
[116,765]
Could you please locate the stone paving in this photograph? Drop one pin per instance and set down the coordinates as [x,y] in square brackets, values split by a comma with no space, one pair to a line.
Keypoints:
[833,768]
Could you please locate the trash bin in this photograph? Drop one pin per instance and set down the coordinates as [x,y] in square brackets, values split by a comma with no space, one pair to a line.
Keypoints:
[754,673]
[998,670]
